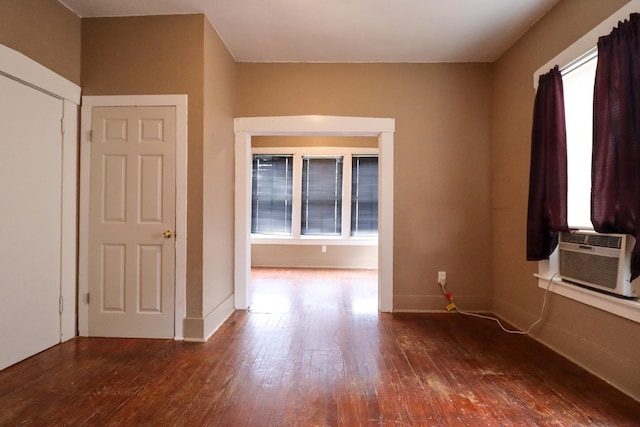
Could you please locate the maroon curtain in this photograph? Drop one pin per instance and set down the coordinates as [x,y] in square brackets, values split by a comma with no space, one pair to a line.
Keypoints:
[615,180]
[547,213]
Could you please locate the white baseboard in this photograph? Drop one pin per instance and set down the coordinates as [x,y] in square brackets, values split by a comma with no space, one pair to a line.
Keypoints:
[200,329]
[438,303]
[217,317]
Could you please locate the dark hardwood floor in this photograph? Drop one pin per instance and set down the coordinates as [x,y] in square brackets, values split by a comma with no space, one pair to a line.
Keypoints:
[313,351]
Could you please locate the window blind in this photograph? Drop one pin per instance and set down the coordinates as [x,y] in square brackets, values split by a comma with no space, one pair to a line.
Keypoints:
[364,196]
[321,196]
[271,194]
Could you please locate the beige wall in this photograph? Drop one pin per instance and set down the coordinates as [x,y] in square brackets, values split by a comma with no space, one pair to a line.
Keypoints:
[295,256]
[218,171]
[442,178]
[605,344]
[45,31]
[314,141]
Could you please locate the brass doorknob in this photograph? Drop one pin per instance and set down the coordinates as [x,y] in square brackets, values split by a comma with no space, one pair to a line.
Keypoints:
[167,234]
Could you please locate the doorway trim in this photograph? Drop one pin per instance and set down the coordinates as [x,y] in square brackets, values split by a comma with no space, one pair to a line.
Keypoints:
[180,103]
[247,127]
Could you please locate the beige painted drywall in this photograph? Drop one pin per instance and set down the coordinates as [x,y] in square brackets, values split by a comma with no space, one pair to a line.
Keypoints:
[314,141]
[606,344]
[45,31]
[295,256]
[442,218]
[218,171]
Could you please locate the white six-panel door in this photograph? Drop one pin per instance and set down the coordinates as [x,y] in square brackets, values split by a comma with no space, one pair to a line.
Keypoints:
[132,222]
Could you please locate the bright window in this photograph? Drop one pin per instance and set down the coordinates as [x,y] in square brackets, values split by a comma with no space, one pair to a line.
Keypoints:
[578,82]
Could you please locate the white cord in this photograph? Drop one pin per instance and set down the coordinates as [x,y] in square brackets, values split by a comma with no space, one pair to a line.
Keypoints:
[544,303]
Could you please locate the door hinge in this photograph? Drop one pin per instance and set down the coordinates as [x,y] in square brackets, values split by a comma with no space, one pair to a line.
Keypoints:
[61,304]
[90,135]
[88,297]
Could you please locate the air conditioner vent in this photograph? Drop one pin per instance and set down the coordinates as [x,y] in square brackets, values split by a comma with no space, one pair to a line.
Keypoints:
[590,268]
[604,241]
[577,238]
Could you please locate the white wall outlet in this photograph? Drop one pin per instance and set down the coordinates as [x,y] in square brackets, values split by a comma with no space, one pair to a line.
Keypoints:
[324,248]
[442,277]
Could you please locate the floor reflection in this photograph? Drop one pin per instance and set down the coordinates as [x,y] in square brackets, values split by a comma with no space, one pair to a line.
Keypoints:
[270,296]
[277,290]
[367,306]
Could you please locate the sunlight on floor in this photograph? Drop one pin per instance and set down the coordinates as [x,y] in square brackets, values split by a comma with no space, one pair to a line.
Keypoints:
[365,306]
[278,290]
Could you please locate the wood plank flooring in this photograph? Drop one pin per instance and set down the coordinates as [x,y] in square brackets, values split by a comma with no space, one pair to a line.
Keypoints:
[313,351]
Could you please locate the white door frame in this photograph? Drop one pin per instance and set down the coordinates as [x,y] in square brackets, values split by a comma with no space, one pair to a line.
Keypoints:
[180,103]
[247,127]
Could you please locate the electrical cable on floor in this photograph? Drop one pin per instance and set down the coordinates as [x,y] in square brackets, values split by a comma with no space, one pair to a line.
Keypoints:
[454,306]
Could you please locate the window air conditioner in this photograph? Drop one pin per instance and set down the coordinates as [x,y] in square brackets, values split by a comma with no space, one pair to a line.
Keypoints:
[599,261]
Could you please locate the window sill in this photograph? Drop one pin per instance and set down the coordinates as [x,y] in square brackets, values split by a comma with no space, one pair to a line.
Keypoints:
[315,240]
[629,309]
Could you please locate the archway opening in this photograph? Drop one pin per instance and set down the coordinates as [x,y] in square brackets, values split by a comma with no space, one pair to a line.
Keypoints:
[248,127]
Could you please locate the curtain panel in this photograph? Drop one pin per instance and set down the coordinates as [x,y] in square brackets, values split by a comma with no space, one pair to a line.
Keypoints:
[547,212]
[615,181]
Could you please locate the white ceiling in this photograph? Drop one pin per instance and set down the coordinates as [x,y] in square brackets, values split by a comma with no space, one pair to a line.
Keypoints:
[349,30]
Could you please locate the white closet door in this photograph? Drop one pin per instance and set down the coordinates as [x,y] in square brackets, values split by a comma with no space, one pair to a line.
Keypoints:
[30,220]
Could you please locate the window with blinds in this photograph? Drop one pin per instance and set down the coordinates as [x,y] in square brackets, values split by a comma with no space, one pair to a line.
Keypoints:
[364,195]
[316,192]
[321,196]
[271,194]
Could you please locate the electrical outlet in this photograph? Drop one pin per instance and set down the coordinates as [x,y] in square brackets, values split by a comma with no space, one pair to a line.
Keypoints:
[324,248]
[442,277]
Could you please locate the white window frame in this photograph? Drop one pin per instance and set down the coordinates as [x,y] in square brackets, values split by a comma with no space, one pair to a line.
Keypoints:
[297,238]
[629,309]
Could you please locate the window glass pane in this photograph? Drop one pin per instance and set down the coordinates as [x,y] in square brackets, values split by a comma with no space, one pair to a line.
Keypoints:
[321,196]
[271,194]
[578,101]
[364,196]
